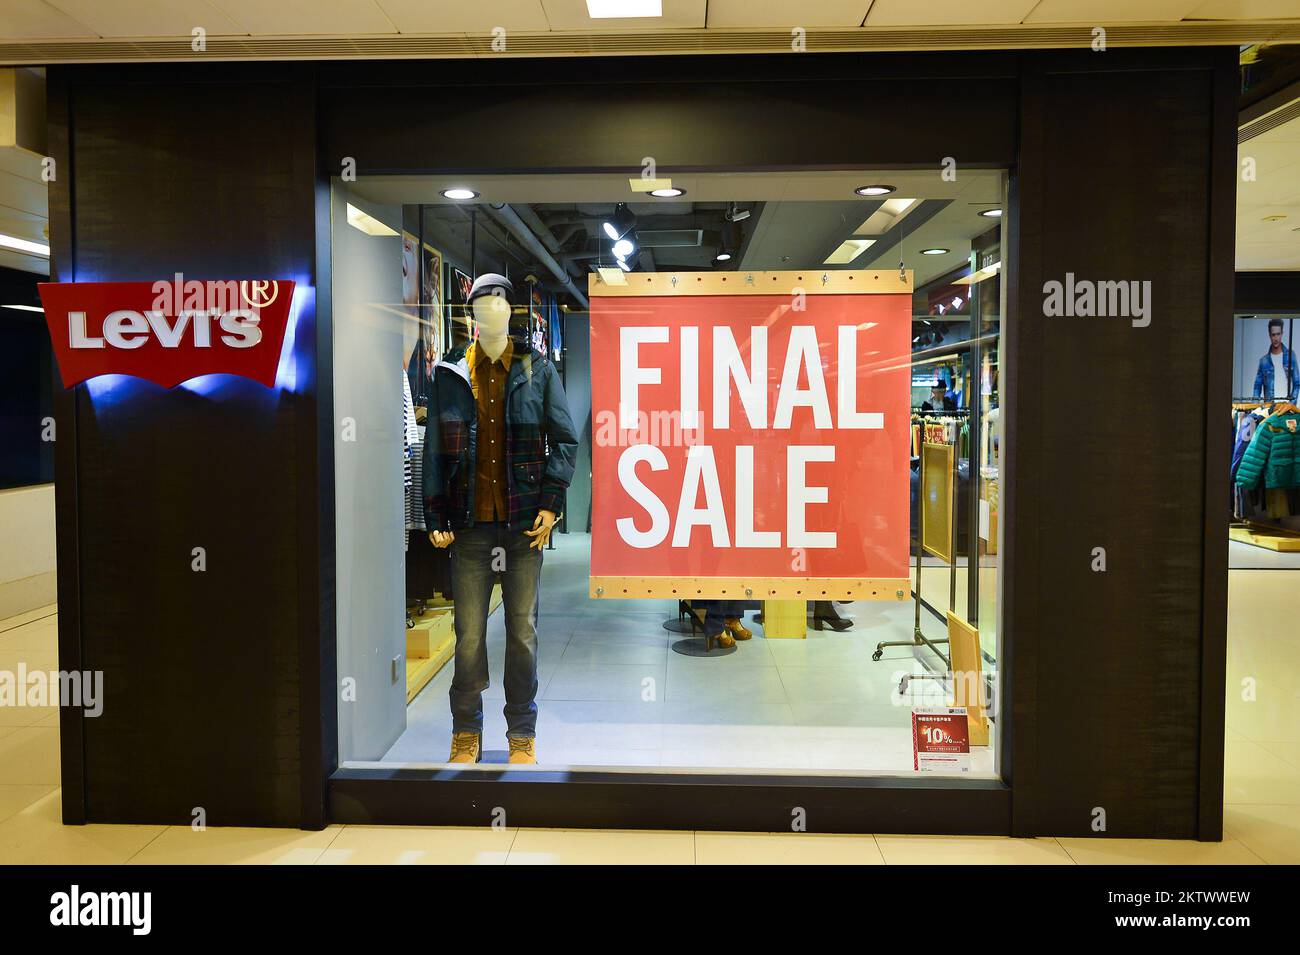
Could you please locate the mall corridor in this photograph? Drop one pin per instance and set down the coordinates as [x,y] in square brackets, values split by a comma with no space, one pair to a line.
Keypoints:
[1262,791]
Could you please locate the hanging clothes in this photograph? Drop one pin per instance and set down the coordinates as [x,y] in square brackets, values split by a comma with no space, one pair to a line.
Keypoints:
[419,373]
[1244,431]
[410,436]
[557,329]
[414,500]
[1273,456]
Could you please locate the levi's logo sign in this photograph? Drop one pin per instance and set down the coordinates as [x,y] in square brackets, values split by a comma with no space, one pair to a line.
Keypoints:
[168,331]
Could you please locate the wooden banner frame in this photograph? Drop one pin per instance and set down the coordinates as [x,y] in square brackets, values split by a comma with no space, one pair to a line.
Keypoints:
[783,282]
[936,472]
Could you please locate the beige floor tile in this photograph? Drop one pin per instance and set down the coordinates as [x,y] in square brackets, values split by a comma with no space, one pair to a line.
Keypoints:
[11,713]
[40,613]
[1271,832]
[43,635]
[30,756]
[601,847]
[13,716]
[785,848]
[15,798]
[182,845]
[1158,852]
[1253,775]
[1288,750]
[970,850]
[418,845]
[32,658]
[37,836]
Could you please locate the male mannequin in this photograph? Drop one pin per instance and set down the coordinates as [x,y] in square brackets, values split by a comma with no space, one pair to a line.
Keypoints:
[498,455]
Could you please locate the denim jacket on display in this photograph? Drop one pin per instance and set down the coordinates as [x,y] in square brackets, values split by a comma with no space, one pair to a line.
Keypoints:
[1264,376]
[541,444]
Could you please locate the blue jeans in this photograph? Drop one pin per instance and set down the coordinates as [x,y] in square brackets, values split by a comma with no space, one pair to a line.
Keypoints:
[480,556]
[717,612]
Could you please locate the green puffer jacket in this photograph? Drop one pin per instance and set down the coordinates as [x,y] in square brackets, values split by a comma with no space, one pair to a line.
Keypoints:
[1273,454]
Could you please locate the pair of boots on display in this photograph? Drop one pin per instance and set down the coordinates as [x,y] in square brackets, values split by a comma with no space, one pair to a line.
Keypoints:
[732,630]
[468,748]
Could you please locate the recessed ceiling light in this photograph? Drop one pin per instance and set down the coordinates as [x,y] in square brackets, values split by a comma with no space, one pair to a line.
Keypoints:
[934,251]
[992,213]
[459,193]
[24,245]
[672,192]
[723,257]
[608,9]
[874,190]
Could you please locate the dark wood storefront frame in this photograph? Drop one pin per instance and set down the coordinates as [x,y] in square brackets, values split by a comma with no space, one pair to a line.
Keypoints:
[694,114]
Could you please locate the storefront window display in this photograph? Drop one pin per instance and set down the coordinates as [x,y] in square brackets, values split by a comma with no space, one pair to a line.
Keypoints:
[1266,432]
[749,425]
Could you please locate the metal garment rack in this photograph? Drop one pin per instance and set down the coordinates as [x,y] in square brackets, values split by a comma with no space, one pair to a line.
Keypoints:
[918,638]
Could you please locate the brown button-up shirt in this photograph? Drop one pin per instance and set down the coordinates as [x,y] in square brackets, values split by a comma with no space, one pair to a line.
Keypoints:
[488,379]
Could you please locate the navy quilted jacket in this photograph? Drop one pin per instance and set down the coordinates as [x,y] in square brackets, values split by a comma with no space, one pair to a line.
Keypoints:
[541,444]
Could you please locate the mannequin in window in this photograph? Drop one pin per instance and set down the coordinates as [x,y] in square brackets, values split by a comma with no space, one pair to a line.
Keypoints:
[499,453]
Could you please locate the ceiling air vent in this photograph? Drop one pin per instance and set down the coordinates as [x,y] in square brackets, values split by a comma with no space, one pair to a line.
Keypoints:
[670,238]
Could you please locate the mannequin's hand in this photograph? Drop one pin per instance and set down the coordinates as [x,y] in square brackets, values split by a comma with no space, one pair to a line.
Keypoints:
[441,538]
[541,531]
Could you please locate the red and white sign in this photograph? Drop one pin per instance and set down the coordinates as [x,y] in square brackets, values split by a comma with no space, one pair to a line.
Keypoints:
[749,436]
[167,331]
[941,740]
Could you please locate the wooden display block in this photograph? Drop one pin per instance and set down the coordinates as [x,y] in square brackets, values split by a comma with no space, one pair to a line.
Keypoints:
[1281,542]
[785,619]
[968,677]
[431,643]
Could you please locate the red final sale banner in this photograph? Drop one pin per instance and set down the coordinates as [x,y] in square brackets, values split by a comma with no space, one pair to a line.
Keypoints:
[750,435]
[168,331]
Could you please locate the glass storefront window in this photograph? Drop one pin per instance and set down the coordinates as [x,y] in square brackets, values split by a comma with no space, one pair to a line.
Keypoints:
[636,303]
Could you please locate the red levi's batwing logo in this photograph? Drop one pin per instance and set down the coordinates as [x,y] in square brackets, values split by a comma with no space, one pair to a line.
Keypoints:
[168,331]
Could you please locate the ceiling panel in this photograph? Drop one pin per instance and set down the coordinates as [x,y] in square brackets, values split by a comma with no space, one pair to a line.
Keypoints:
[36,19]
[885,13]
[147,18]
[306,17]
[1273,191]
[756,14]
[1102,12]
[458,16]
[572,15]
[1246,10]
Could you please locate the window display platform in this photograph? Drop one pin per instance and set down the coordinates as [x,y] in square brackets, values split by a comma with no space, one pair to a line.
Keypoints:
[1244,556]
[613,694]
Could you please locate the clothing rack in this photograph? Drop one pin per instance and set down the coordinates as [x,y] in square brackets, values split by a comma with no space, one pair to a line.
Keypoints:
[919,638]
[1240,406]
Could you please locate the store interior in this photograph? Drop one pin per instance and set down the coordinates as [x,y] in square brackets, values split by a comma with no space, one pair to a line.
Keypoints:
[1264,533]
[616,690]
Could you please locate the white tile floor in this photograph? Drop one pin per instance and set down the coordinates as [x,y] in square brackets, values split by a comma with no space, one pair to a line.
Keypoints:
[613,693]
[1262,790]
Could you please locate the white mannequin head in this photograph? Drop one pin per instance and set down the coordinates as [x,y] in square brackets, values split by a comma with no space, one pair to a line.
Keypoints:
[492,313]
